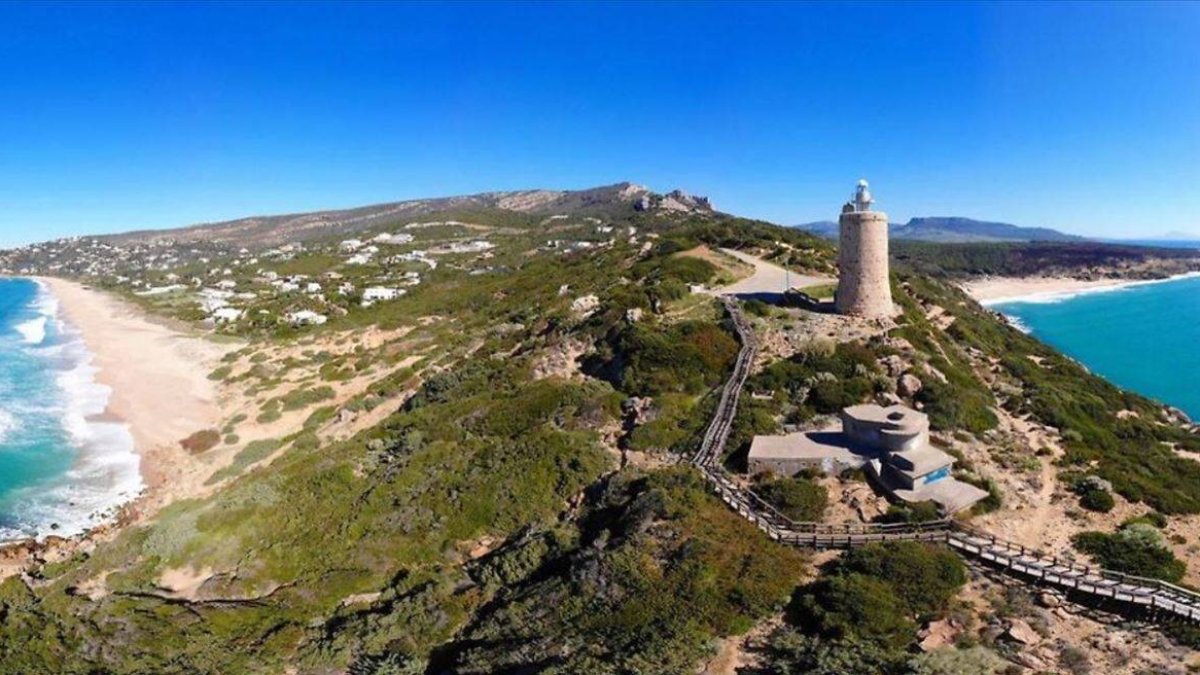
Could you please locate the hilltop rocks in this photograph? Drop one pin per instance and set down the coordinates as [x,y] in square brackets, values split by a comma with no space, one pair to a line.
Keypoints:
[675,200]
[638,410]
[1020,631]
[678,200]
[585,305]
[908,385]
[938,634]
[893,365]
[864,501]
[1049,600]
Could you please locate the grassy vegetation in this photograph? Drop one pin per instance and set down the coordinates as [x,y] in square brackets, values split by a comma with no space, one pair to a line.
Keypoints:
[647,360]
[484,527]
[1136,548]
[822,380]
[1024,259]
[863,613]
[798,498]
[660,567]
[819,291]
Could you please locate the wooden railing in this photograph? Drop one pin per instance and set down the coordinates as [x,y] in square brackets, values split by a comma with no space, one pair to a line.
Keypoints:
[1020,561]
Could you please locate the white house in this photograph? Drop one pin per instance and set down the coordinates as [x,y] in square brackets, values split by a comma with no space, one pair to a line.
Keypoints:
[373,294]
[227,314]
[306,317]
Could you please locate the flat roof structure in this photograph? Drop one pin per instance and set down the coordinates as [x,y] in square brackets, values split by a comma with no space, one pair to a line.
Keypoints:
[810,445]
[919,461]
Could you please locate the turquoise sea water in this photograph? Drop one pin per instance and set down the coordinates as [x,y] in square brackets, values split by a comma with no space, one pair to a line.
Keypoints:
[1144,337]
[63,467]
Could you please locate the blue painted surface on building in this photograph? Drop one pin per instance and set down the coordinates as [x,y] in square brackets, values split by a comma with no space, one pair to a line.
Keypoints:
[934,476]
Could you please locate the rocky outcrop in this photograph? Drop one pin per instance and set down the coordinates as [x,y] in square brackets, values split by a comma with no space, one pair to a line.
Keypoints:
[1020,631]
[908,385]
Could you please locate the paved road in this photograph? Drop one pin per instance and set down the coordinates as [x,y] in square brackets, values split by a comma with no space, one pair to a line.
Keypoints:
[768,280]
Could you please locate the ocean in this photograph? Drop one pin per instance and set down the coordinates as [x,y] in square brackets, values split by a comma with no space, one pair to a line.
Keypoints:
[1143,336]
[63,466]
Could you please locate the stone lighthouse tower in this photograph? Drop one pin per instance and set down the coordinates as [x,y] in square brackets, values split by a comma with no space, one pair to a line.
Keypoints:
[863,286]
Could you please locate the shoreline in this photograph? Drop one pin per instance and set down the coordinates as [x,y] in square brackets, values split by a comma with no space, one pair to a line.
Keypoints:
[157,377]
[990,291]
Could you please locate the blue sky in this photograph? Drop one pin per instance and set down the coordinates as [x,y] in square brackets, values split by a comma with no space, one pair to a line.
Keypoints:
[1081,117]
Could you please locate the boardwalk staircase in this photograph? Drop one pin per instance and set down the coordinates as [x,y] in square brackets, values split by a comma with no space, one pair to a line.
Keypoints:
[1160,599]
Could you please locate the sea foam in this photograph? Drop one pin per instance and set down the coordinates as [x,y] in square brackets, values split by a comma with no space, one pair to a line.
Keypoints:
[99,468]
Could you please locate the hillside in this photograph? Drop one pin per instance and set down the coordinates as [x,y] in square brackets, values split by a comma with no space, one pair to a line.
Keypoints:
[1081,260]
[300,227]
[954,230]
[484,473]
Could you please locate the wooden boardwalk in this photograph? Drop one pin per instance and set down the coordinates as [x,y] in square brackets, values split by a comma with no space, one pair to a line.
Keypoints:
[1161,599]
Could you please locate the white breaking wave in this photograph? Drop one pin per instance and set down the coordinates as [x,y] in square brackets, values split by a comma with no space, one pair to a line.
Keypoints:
[105,472]
[46,306]
[33,330]
[8,424]
[1015,322]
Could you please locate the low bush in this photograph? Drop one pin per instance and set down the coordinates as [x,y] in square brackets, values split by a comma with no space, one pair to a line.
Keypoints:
[877,593]
[201,441]
[1136,548]
[925,577]
[1100,501]
[800,499]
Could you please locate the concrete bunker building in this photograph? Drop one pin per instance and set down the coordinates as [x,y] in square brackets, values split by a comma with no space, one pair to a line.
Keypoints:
[890,442]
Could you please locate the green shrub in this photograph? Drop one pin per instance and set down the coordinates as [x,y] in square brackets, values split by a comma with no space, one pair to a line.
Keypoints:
[822,380]
[1136,549]
[302,398]
[970,661]
[924,577]
[687,357]
[253,452]
[201,441]
[686,269]
[797,498]
[1100,501]
[855,607]
[790,652]
[873,595]
[1151,518]
[918,512]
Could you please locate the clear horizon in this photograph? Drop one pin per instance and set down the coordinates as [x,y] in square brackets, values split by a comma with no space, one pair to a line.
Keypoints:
[1081,118]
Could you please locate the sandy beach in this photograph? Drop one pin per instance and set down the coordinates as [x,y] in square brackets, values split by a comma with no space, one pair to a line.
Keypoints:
[158,376]
[992,290]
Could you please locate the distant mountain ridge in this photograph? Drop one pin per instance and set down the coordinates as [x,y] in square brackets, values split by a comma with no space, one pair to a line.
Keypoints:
[279,229]
[950,229]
